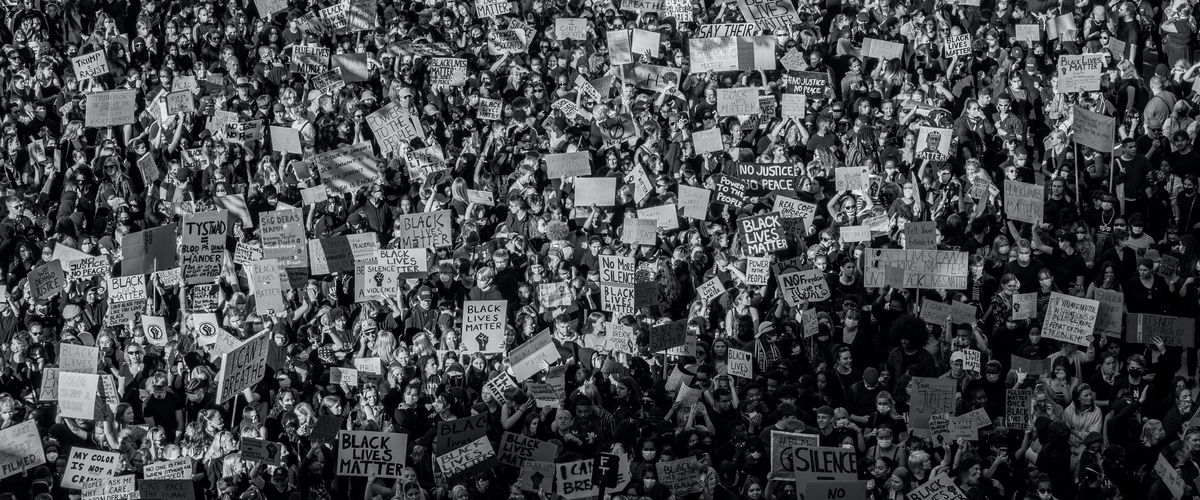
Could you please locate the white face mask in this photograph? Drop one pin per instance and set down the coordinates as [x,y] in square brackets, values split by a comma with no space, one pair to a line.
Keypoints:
[885,443]
[847,446]
[648,455]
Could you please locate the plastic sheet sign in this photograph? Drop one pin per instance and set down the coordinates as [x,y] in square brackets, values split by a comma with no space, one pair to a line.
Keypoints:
[242,367]
[85,466]
[20,449]
[366,453]
[1070,319]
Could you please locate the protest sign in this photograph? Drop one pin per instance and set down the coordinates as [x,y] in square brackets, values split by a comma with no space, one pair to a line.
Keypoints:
[180,102]
[86,269]
[679,475]
[285,140]
[1070,319]
[1093,130]
[652,77]
[666,336]
[922,268]
[763,177]
[731,191]
[483,326]
[573,481]
[492,8]
[267,286]
[853,234]
[537,476]
[405,263]
[77,358]
[1017,407]
[1030,366]
[203,247]
[807,285]
[1174,331]
[640,231]
[882,49]
[533,356]
[180,468]
[619,47]
[455,433]
[576,164]
[769,14]
[618,298]
[557,294]
[89,65]
[48,389]
[507,42]
[797,214]
[424,230]
[958,45]
[666,217]
[806,463]
[243,366]
[372,281]
[1024,202]
[1109,318]
[489,109]
[167,489]
[738,101]
[326,429]
[834,490]
[726,29]
[570,28]
[806,83]
[740,363]
[46,280]
[349,168]
[110,108]
[394,128]
[268,8]
[518,449]
[1079,73]
[929,396]
[598,191]
[622,338]
[260,450]
[85,466]
[762,234]
[645,42]
[343,376]
[711,289]
[934,143]
[920,235]
[20,449]
[732,53]
[694,201]
[448,71]
[852,178]
[1024,306]
[782,448]
[111,488]
[793,106]
[367,453]
[758,269]
[331,255]
[1031,33]
[941,487]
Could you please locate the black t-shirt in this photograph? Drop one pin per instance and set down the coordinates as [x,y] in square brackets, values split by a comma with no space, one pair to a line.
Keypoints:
[1028,275]
[1066,268]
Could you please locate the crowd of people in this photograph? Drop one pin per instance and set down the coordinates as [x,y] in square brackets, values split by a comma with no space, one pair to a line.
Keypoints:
[495,100]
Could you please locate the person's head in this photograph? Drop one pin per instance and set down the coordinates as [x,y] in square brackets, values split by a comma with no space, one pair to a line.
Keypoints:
[1024,252]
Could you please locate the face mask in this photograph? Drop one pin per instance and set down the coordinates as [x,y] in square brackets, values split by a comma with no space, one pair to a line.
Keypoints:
[648,455]
[649,483]
[883,408]
[847,446]
[51,457]
[1135,372]
[755,455]
[885,443]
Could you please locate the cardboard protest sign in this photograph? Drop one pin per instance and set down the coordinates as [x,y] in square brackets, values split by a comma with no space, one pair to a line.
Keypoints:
[570,28]
[797,457]
[679,475]
[330,255]
[86,268]
[939,313]
[518,449]
[1079,73]
[1024,306]
[557,294]
[666,336]
[448,71]
[732,53]
[424,230]
[507,42]
[797,215]
[281,233]
[243,366]
[180,468]
[618,298]
[373,280]
[46,280]
[740,363]
[852,178]
[640,231]
[483,326]
[77,394]
[853,234]
[267,286]
[203,247]
[807,285]
[348,169]
[537,476]
[576,164]
[599,191]
[77,358]
[934,143]
[1110,317]
[727,29]
[762,234]
[168,489]
[489,109]
[20,449]
[268,8]
[920,235]
[769,14]
[492,8]
[731,191]
[680,10]
[738,101]
[930,396]
[573,481]
[793,106]
[90,65]
[367,453]
[666,217]
[285,140]
[533,356]
[1017,407]
[882,49]
[260,450]
[110,108]
[180,102]
[652,77]
[405,263]
[48,389]
[758,269]
[694,201]
[1173,330]
[1070,319]
[922,268]
[1031,33]
[958,45]
[458,432]
[85,466]
[645,42]
[1094,130]
[941,487]
[620,47]
[394,128]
